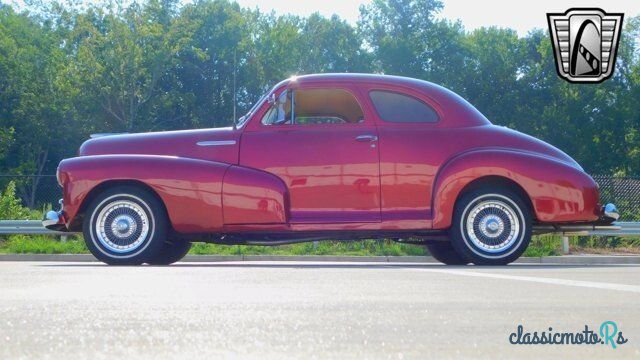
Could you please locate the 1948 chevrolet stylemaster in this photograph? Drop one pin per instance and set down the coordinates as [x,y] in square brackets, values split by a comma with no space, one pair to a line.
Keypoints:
[334,156]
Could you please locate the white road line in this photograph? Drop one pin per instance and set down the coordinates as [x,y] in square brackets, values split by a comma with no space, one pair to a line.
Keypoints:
[554,281]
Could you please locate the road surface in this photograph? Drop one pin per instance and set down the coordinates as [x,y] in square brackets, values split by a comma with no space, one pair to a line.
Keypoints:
[282,310]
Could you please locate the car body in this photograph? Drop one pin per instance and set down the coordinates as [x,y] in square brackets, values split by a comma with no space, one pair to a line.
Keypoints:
[333,156]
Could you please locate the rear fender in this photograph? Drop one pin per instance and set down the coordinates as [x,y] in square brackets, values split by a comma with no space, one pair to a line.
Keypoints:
[558,192]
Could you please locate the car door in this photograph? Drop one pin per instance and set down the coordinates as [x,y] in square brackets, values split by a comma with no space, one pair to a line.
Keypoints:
[324,147]
[412,147]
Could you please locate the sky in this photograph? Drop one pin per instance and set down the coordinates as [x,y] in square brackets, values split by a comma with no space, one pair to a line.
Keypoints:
[522,16]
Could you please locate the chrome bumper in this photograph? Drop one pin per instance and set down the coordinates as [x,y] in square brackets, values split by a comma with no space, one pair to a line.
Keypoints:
[54,220]
[610,212]
[605,224]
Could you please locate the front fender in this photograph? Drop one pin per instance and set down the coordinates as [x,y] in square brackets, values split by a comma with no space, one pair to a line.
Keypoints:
[253,196]
[191,189]
[558,191]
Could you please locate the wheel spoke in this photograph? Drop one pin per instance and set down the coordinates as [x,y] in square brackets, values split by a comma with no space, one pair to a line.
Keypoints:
[122,226]
[493,226]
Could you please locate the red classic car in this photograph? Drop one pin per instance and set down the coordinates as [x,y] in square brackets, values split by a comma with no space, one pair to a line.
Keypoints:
[333,156]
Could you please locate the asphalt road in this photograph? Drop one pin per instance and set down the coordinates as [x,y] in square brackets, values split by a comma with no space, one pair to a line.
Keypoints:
[309,310]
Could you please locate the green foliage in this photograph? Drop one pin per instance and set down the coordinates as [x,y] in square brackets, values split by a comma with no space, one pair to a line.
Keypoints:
[10,206]
[23,244]
[6,138]
[604,242]
[544,245]
[344,248]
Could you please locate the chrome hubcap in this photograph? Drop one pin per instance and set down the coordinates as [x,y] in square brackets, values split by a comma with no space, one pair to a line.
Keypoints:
[493,226]
[122,226]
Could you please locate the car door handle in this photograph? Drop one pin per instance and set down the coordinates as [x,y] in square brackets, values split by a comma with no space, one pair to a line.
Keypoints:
[366,138]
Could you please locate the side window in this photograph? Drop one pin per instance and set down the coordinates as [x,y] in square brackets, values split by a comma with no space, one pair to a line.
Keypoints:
[399,108]
[315,107]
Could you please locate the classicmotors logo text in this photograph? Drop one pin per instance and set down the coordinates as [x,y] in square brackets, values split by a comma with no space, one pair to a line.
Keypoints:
[608,334]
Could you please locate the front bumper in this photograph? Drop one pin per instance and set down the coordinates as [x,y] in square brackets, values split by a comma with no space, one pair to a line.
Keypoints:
[55,220]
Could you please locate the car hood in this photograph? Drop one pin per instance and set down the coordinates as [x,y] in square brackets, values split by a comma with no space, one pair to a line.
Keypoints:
[220,144]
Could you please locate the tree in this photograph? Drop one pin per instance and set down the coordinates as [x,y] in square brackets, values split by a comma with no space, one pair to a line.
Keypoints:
[331,45]
[398,32]
[34,105]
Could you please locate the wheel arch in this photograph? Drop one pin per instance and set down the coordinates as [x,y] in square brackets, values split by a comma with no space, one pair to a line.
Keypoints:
[76,224]
[493,181]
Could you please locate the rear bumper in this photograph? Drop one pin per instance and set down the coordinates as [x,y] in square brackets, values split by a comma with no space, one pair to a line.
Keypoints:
[576,229]
[605,223]
[610,213]
[55,220]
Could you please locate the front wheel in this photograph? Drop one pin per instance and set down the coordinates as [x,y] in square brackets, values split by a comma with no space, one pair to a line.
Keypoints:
[125,225]
[491,226]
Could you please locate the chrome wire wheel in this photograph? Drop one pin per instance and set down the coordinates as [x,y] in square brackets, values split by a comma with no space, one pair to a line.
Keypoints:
[122,226]
[125,225]
[493,226]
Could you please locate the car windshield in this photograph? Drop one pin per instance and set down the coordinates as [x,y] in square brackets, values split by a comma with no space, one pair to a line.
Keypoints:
[244,118]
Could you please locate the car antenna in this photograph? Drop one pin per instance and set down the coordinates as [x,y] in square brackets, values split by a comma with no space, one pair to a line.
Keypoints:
[235,97]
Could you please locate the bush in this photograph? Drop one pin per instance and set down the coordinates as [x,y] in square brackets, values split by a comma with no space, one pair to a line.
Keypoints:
[10,206]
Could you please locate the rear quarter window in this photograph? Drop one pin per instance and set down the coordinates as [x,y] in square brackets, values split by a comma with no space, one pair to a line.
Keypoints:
[401,108]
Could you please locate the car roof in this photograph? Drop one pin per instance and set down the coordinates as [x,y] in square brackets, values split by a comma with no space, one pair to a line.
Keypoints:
[458,111]
[360,78]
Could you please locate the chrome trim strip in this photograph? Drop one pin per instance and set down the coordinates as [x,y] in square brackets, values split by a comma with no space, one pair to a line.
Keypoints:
[216,143]
[99,135]
[366,138]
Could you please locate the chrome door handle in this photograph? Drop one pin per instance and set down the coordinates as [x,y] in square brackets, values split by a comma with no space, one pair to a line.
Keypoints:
[366,138]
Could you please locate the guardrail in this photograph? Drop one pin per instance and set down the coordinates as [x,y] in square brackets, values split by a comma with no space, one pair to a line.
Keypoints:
[27,227]
[627,228]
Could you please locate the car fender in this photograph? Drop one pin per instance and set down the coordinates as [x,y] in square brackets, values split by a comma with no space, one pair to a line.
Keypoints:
[191,189]
[252,196]
[557,191]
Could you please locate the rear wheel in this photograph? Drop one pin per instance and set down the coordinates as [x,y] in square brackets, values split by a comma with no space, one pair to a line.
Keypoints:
[172,251]
[445,253]
[125,225]
[491,226]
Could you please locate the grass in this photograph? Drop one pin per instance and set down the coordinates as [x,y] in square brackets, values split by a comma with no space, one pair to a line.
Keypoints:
[350,248]
[543,245]
[22,244]
[25,244]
